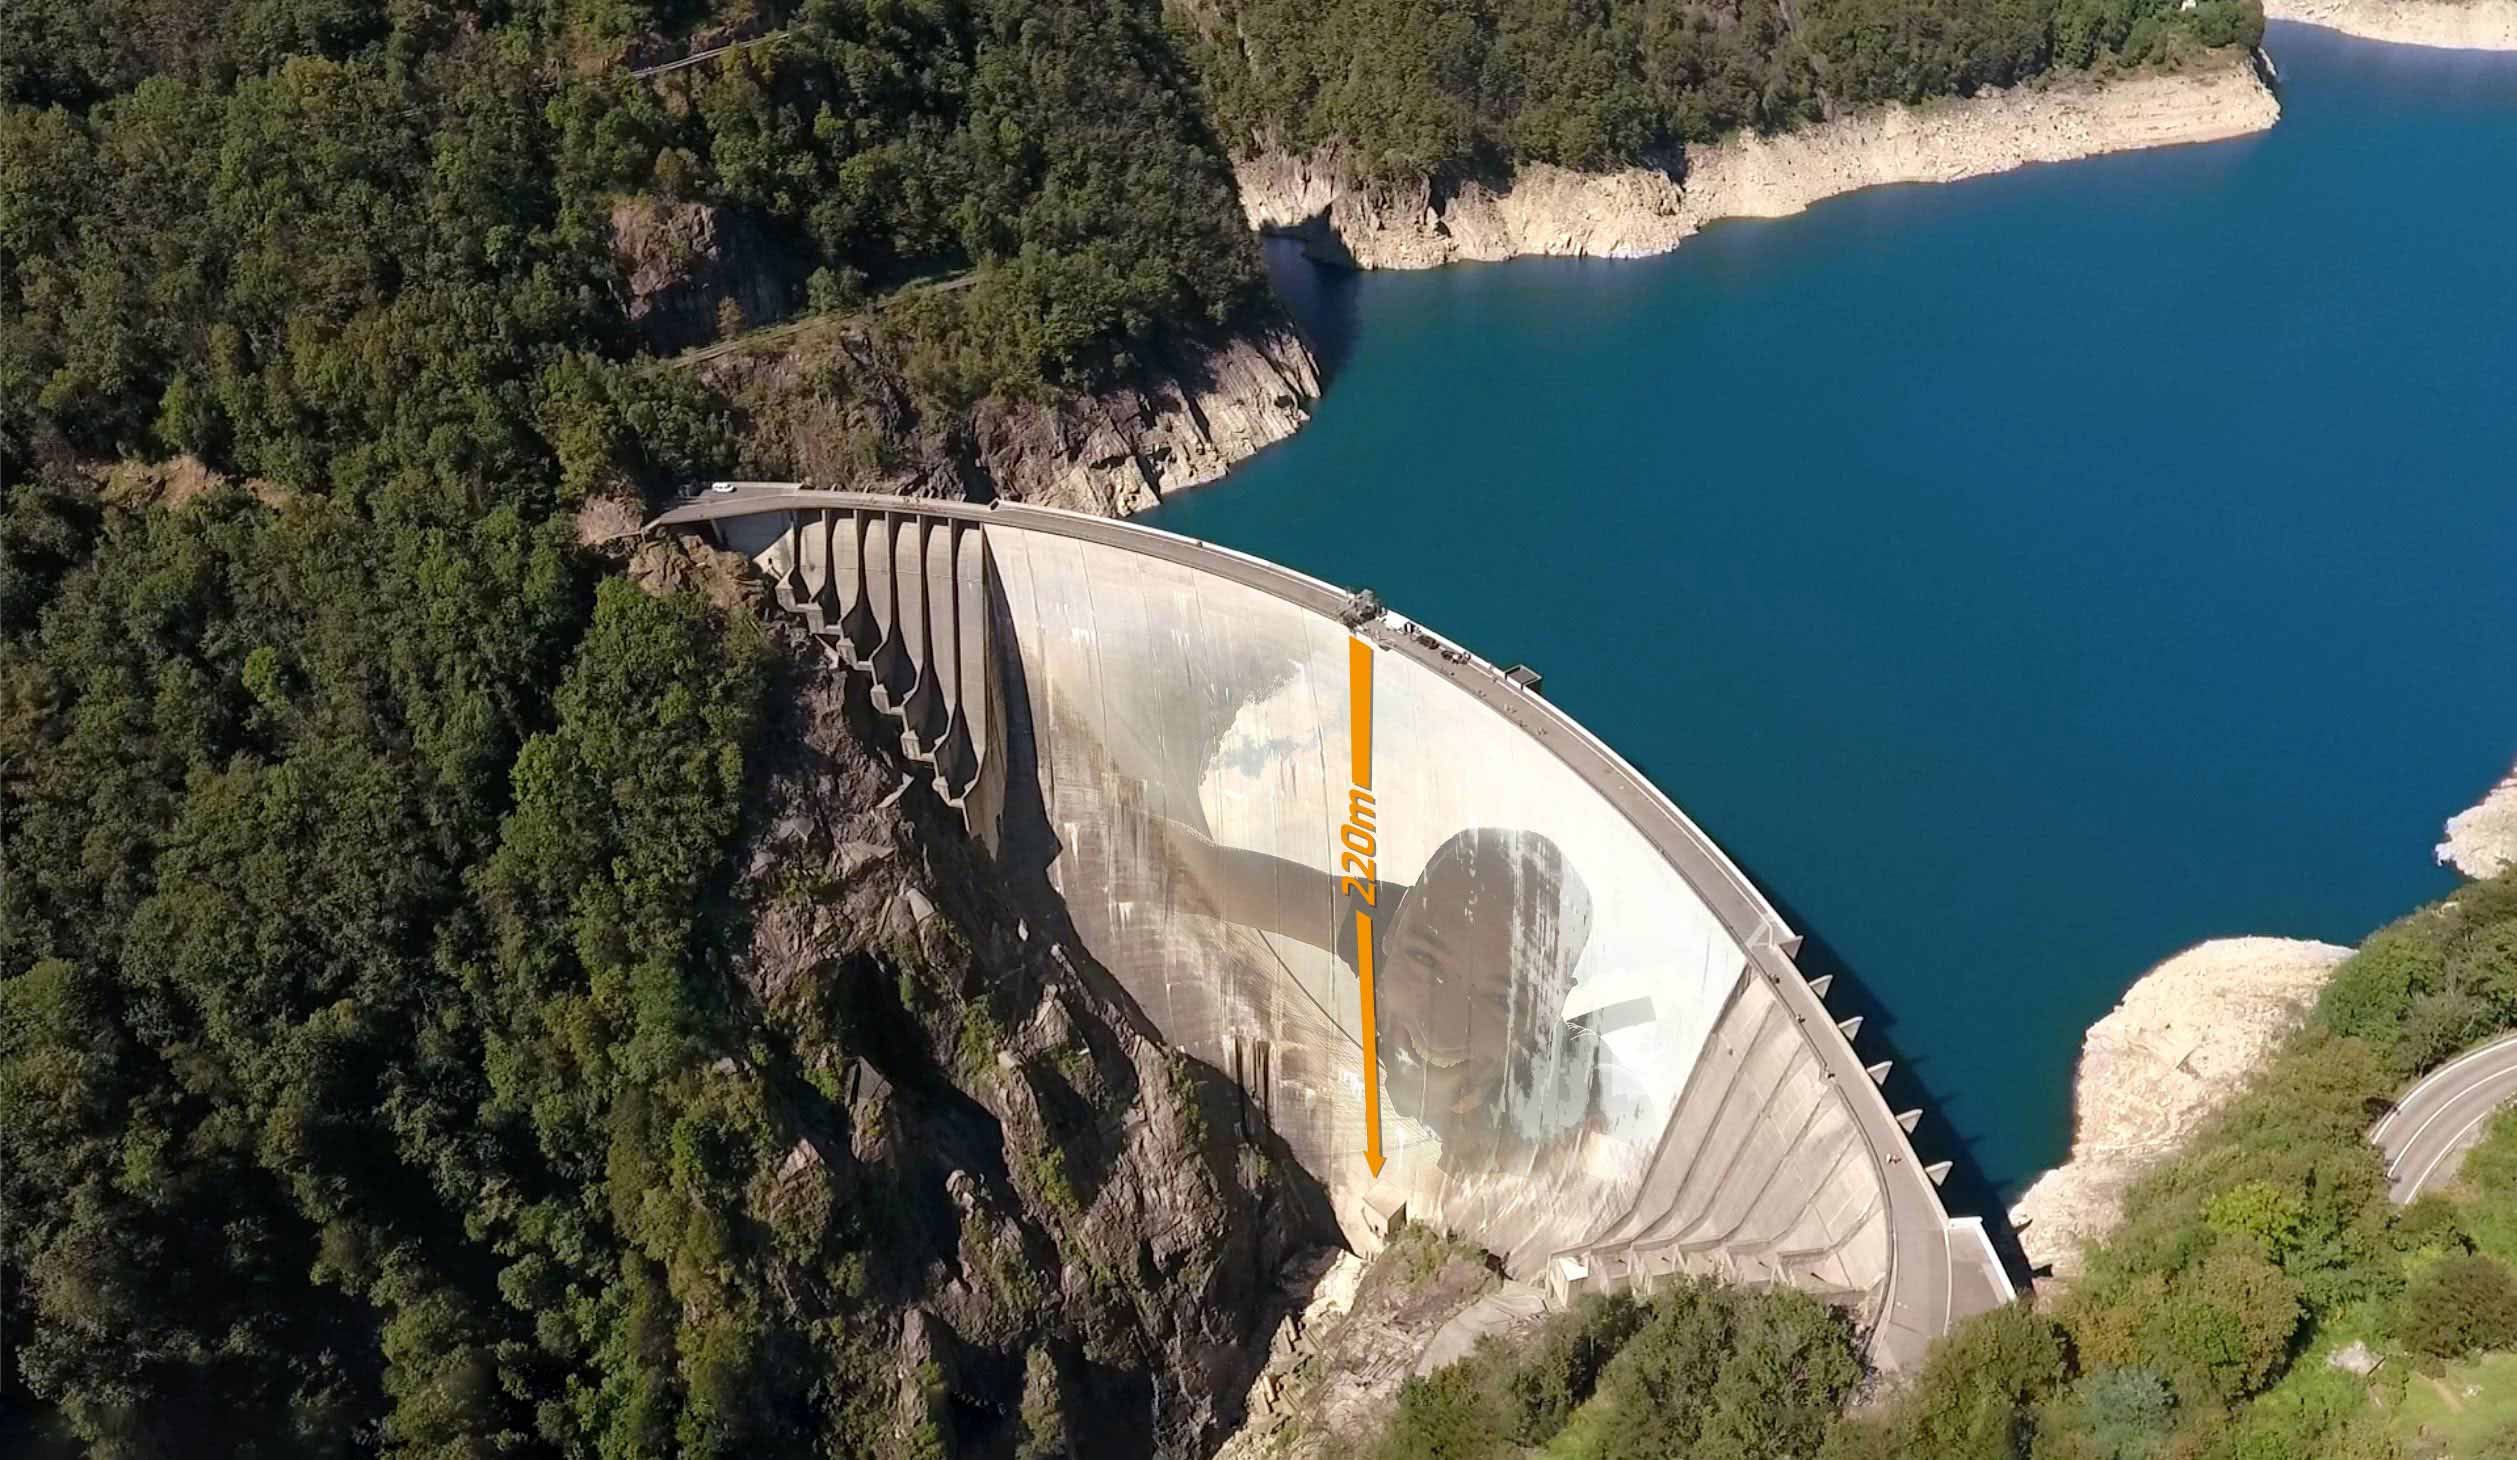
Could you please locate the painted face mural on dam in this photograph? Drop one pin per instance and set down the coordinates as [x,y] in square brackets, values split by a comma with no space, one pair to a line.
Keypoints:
[1474,966]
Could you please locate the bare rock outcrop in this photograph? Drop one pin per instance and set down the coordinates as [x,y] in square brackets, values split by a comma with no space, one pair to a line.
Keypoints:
[1322,198]
[2471,25]
[1185,423]
[2183,1041]
[174,483]
[2482,838]
[666,565]
[833,405]
[682,263]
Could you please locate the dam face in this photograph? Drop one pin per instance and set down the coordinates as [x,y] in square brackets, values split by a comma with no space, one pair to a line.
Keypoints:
[1469,965]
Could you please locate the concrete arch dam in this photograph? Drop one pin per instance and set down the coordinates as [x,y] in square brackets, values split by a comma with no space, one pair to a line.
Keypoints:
[1261,795]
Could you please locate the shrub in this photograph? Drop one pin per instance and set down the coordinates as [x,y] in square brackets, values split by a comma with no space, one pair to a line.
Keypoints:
[2261,1212]
[1560,1368]
[2114,1414]
[1975,1395]
[1699,1372]
[1450,1414]
[2226,1326]
[2462,1304]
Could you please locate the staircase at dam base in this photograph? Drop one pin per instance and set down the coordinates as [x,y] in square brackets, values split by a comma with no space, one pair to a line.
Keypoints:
[1255,794]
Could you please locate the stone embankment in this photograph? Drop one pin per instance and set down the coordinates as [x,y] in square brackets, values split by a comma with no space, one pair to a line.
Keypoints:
[1549,210]
[2183,1040]
[2472,25]
[2482,839]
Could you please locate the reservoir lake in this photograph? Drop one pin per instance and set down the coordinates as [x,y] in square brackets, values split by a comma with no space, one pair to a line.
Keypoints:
[2023,578]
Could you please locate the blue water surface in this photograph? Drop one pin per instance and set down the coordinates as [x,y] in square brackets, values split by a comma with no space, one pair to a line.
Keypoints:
[2023,578]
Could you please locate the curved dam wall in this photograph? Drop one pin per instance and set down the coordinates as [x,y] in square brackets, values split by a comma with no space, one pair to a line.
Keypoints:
[1264,800]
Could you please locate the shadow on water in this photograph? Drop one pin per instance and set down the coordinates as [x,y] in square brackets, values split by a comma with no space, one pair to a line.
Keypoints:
[1322,298]
[1967,1191]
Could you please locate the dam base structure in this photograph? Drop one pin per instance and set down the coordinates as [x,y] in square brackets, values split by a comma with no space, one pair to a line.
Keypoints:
[1467,962]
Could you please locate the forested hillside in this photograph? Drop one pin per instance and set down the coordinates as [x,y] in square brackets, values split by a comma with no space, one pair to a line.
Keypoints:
[1417,88]
[386,1064]
[325,243]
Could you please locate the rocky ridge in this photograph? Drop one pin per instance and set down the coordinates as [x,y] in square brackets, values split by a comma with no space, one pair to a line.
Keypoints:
[1321,199]
[1198,412]
[2473,25]
[2184,1039]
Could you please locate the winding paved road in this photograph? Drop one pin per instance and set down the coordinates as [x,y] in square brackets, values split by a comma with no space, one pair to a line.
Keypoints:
[2426,1135]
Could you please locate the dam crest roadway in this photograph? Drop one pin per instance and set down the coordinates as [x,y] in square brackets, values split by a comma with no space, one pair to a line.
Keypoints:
[1598,1058]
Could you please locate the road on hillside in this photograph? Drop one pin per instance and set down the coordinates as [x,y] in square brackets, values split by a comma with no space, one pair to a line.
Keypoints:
[2436,1121]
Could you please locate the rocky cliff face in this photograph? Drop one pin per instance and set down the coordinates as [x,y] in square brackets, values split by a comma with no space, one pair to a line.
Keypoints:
[1197,412]
[832,404]
[2473,25]
[1077,1240]
[682,263]
[2183,1041]
[1321,199]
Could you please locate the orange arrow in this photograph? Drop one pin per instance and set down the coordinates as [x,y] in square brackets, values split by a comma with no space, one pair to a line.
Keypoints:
[1371,1047]
[1359,755]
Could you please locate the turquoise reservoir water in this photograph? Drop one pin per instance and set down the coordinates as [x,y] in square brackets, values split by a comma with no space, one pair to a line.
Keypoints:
[2024,578]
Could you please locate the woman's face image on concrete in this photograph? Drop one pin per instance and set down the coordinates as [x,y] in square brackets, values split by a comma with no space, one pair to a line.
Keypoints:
[1474,967]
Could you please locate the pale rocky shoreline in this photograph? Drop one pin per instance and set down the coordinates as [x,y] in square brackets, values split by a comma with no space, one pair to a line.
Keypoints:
[2473,25]
[2482,839]
[1640,211]
[2187,1036]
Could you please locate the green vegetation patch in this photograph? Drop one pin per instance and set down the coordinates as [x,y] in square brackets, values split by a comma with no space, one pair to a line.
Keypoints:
[1698,1370]
[1477,86]
[318,244]
[2467,1412]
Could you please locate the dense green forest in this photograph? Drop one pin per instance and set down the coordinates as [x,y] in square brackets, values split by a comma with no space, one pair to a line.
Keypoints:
[322,243]
[1476,87]
[334,1008]
[371,1079]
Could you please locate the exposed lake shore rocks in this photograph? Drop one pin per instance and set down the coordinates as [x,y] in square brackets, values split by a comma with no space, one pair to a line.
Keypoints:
[2472,25]
[2184,1039]
[2482,839]
[1320,198]
[831,403]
